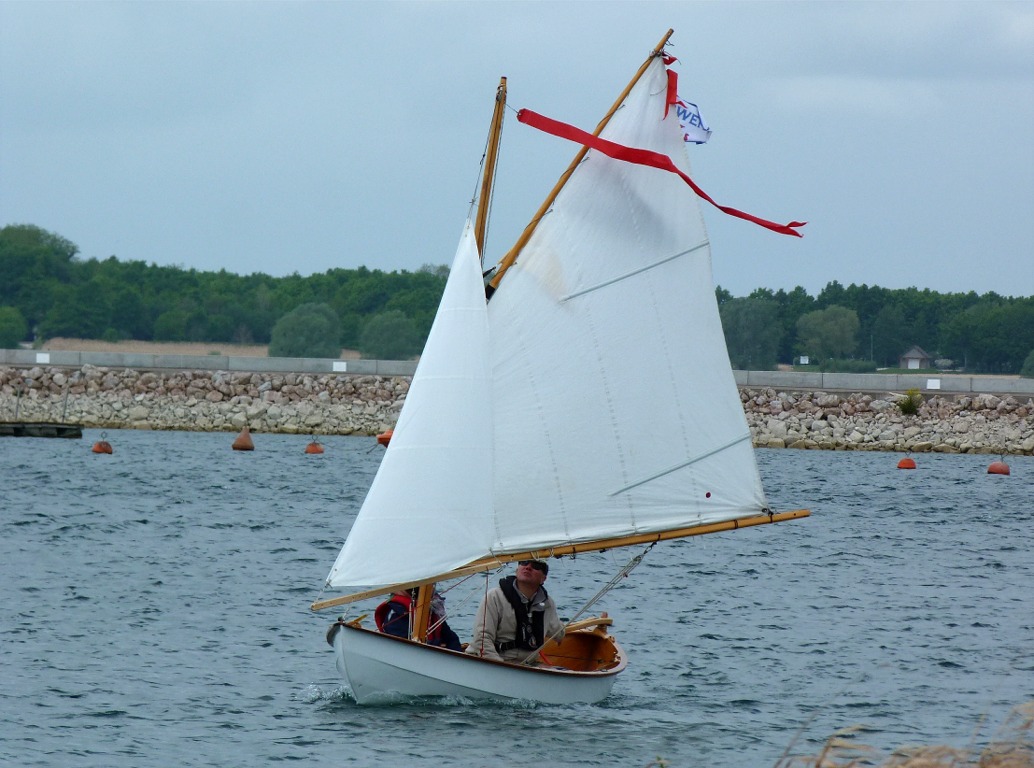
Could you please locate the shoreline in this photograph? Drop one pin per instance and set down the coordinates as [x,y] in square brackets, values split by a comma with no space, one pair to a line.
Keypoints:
[979,423]
[337,404]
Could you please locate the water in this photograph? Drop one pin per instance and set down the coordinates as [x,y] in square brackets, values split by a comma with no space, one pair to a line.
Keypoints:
[155,613]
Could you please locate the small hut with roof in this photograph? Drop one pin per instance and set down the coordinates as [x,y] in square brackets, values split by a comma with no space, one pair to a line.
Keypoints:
[914,359]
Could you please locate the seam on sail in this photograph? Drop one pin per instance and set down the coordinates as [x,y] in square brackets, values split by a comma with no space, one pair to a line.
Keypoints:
[634,272]
[684,464]
[537,385]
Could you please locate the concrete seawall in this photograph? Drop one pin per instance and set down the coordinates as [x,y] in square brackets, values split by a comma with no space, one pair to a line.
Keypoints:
[357,403]
[790,381]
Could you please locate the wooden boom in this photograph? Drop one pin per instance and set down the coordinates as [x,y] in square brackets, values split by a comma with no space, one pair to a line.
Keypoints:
[487,563]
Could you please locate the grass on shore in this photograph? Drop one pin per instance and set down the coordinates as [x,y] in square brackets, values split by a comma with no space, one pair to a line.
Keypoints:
[1012,746]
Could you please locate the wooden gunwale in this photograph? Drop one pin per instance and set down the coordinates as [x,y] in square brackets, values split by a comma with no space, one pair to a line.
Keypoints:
[614,666]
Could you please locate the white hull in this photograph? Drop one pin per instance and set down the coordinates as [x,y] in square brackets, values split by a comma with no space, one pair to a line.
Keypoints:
[380,668]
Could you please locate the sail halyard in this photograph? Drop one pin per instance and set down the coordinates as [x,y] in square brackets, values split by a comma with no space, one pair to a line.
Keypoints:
[495,133]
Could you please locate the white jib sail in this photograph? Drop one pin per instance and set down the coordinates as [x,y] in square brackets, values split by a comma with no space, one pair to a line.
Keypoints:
[426,511]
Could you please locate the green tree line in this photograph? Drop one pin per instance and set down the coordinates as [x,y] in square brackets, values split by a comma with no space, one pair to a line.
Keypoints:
[863,327]
[46,290]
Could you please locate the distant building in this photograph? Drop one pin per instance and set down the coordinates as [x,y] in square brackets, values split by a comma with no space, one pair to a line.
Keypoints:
[914,359]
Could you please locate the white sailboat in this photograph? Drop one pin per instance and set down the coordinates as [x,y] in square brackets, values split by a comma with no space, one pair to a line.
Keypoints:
[587,404]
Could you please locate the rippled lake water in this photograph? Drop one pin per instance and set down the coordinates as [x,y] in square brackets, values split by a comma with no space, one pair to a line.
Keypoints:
[155,613]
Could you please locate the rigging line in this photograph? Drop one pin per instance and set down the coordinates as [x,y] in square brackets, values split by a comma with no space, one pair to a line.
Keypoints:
[484,603]
[491,195]
[630,566]
[460,583]
[634,272]
[322,590]
[682,465]
[463,600]
[477,178]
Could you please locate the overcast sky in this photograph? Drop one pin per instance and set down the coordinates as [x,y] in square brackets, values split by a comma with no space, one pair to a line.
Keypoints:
[283,137]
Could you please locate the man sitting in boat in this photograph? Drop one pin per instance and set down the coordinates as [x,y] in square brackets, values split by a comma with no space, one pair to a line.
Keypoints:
[392,617]
[517,617]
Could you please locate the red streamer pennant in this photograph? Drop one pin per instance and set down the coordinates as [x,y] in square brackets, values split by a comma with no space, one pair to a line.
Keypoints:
[643,157]
[673,90]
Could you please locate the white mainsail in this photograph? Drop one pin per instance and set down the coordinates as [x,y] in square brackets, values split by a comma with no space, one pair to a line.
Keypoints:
[594,397]
[616,407]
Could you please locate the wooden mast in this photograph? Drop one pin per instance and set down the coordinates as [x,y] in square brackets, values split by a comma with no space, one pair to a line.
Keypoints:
[421,608]
[522,241]
[495,132]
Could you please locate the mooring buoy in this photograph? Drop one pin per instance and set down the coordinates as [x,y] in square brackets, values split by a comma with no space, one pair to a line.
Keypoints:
[244,441]
[102,445]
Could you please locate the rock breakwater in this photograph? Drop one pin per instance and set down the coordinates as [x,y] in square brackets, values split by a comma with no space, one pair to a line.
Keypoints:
[342,404]
[821,420]
[203,401]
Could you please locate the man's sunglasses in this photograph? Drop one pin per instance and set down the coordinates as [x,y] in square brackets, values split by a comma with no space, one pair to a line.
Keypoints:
[540,567]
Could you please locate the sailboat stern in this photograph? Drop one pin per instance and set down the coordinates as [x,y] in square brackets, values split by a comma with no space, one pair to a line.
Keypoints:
[589,650]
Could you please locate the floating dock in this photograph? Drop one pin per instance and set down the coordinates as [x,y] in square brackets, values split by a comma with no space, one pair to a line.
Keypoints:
[39,429]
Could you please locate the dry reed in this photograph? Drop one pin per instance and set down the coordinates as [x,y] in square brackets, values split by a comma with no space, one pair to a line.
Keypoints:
[1012,746]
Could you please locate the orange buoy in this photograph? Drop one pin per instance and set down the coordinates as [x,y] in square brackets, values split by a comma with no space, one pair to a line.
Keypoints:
[244,441]
[907,463]
[102,445]
[314,446]
[385,437]
[998,468]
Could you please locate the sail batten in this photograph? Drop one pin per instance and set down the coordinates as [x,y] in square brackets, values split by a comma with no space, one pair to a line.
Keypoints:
[633,273]
[681,465]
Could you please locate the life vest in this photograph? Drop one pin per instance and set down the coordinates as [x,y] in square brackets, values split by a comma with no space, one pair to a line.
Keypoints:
[386,616]
[530,622]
